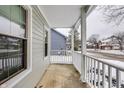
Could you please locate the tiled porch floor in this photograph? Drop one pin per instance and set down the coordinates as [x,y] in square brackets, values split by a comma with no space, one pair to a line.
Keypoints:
[61,76]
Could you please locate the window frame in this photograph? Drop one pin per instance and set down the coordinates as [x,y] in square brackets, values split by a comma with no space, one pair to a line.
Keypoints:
[28,50]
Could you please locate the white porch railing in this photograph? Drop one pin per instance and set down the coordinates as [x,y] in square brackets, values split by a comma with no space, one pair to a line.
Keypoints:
[77,61]
[61,56]
[100,73]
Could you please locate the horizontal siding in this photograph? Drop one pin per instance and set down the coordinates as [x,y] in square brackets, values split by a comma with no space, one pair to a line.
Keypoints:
[58,41]
[38,63]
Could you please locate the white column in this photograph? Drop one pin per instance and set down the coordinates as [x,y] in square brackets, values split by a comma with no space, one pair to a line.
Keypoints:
[49,43]
[72,43]
[83,44]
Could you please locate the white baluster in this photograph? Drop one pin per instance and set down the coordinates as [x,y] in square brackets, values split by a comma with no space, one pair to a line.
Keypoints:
[94,73]
[103,75]
[118,77]
[98,74]
[110,76]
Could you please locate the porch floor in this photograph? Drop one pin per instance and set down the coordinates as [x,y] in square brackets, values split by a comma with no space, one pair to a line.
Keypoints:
[61,76]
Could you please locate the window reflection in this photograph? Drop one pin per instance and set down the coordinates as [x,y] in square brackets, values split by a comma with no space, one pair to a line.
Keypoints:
[12,20]
[4,25]
[12,54]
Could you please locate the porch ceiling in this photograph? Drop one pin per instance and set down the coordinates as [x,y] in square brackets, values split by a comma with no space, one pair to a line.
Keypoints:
[61,15]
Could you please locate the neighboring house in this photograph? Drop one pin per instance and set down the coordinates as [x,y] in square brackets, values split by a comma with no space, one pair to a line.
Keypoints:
[106,44]
[115,43]
[58,40]
[109,44]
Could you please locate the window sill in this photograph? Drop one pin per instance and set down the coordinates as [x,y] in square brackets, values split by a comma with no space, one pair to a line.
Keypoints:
[16,79]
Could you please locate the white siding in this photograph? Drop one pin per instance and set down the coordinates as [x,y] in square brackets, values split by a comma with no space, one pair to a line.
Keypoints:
[38,62]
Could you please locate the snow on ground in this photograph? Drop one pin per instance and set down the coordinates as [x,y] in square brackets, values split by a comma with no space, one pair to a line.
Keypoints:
[117,52]
[117,64]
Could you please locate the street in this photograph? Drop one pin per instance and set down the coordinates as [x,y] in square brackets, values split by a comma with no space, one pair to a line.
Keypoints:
[105,55]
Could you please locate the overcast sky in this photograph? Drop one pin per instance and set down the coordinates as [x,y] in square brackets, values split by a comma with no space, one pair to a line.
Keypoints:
[97,25]
[64,31]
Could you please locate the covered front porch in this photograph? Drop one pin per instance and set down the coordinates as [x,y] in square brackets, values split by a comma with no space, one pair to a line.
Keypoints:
[69,68]
[66,64]
[64,68]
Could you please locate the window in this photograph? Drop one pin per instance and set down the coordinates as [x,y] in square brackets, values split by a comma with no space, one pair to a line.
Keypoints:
[46,43]
[12,41]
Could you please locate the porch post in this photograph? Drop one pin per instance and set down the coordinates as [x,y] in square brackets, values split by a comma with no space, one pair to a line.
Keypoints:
[49,44]
[72,43]
[83,44]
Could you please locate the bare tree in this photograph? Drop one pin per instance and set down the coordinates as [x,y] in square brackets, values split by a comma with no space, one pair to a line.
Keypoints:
[76,39]
[112,13]
[94,40]
[119,36]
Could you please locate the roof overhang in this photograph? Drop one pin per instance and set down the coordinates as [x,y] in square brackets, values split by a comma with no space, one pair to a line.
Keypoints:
[61,16]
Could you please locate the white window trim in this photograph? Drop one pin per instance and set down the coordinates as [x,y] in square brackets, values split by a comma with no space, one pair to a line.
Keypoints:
[16,79]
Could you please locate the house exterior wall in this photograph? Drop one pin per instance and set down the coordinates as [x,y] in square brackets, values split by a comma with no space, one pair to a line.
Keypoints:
[58,42]
[39,63]
[110,43]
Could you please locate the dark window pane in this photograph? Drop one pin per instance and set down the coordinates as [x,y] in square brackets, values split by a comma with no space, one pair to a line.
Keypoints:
[3,58]
[11,56]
